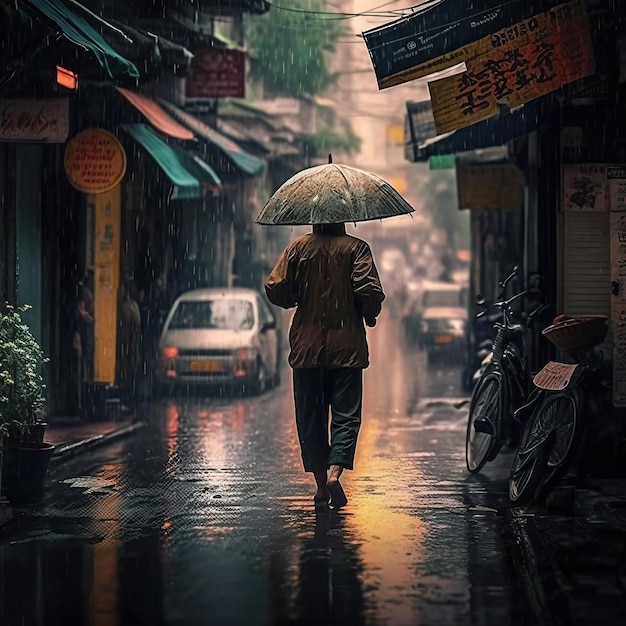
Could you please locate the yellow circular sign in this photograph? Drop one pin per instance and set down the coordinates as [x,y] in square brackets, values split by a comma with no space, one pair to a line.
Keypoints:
[95,161]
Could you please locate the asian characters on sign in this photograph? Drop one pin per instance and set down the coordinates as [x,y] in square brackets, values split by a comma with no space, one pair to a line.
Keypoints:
[585,187]
[528,60]
[501,78]
[217,73]
[95,161]
[44,120]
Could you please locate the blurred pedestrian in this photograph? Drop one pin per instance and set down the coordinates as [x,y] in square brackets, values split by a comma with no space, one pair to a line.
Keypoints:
[82,343]
[332,280]
[128,342]
[157,306]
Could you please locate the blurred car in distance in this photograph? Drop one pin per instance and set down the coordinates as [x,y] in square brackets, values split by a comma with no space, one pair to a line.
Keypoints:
[220,337]
[442,325]
[412,308]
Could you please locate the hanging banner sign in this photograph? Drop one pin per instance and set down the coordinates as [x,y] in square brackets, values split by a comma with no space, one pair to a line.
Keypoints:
[44,120]
[107,214]
[483,186]
[217,73]
[95,161]
[420,122]
[439,37]
[522,67]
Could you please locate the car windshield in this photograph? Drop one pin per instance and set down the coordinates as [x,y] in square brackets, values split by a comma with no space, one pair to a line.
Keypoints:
[442,299]
[221,314]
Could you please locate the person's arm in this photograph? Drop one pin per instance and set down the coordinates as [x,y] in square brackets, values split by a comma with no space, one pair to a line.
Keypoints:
[366,284]
[280,286]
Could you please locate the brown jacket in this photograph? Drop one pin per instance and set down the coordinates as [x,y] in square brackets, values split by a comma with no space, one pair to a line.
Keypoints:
[333,281]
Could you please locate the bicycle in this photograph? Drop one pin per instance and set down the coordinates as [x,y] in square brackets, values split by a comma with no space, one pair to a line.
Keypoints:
[503,385]
[552,433]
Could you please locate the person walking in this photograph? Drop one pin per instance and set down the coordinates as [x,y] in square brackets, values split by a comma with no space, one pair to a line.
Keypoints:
[332,279]
[128,342]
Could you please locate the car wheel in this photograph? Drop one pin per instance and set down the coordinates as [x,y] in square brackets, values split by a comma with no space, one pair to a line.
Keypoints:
[259,384]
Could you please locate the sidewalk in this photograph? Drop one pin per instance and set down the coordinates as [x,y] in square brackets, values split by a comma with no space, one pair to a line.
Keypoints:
[572,564]
[71,436]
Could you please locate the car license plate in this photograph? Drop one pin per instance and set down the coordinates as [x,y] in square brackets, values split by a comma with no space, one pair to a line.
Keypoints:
[205,366]
[443,339]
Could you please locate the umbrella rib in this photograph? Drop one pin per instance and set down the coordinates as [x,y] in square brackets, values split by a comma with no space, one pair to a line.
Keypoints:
[341,172]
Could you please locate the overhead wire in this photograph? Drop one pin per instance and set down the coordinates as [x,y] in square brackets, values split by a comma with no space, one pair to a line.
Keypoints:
[333,15]
[329,15]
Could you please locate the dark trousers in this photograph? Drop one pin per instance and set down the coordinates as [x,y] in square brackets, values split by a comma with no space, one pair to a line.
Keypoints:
[316,390]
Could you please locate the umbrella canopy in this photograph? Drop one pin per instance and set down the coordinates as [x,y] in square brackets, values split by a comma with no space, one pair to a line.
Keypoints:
[332,194]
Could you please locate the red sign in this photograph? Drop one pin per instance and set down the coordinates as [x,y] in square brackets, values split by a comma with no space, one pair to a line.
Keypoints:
[45,120]
[217,73]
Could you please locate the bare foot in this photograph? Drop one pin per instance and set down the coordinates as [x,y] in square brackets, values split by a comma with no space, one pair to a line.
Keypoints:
[322,494]
[321,497]
[337,495]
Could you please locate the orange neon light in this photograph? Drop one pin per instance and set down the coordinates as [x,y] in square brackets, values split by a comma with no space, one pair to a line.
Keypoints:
[66,78]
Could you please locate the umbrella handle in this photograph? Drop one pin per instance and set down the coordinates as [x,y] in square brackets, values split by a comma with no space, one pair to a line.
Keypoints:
[330,157]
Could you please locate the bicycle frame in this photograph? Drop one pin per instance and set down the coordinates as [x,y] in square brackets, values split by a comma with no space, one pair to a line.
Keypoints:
[554,422]
[508,358]
[502,386]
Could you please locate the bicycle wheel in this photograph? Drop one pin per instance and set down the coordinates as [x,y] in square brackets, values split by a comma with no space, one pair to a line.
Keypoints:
[486,402]
[548,441]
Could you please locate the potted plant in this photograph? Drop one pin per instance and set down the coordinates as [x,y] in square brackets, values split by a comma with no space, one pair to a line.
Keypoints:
[25,456]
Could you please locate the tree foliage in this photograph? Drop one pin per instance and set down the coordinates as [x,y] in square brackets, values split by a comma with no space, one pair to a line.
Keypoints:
[290,45]
[439,192]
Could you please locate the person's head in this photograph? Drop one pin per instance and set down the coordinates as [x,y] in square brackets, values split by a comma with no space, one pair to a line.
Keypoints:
[329,229]
[127,287]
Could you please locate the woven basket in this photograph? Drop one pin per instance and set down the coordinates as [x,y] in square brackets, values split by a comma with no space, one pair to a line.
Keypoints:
[577,333]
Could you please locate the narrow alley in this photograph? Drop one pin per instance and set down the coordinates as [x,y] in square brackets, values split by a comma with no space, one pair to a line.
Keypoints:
[205,517]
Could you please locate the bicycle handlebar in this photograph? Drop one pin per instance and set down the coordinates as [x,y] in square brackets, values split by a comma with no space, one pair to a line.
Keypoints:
[505,303]
[503,283]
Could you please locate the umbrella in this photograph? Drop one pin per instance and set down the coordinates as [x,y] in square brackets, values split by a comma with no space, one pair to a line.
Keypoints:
[332,194]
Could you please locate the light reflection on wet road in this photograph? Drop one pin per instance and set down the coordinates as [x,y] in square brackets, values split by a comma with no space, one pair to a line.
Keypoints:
[205,517]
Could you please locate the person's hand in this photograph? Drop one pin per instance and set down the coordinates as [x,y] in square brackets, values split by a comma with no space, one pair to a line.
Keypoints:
[84,314]
[77,344]
[370,321]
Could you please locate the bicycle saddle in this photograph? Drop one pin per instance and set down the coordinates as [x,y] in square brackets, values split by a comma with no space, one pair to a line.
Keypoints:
[555,376]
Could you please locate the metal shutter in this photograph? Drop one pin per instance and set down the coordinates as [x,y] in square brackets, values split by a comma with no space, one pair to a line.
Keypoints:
[586,265]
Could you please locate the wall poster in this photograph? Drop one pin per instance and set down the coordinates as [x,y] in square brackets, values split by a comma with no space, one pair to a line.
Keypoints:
[585,187]
[106,248]
[616,176]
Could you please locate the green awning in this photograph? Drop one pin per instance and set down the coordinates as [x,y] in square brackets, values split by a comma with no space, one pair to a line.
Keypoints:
[199,168]
[235,153]
[186,185]
[80,32]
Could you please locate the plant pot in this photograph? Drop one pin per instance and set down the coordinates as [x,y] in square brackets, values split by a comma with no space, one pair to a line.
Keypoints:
[24,469]
[34,433]
[96,396]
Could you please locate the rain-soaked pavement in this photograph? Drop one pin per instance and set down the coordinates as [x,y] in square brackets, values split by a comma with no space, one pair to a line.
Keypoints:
[205,517]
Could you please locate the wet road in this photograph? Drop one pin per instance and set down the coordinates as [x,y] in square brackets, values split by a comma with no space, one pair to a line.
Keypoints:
[205,517]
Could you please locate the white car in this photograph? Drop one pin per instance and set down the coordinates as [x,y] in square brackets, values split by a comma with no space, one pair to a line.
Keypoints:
[220,337]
